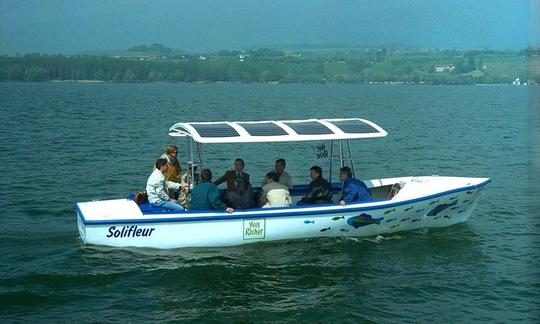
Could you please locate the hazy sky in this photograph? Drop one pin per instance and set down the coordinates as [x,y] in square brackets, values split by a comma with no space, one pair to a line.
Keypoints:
[201,25]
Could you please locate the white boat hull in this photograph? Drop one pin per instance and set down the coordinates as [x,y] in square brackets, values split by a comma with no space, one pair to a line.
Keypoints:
[422,203]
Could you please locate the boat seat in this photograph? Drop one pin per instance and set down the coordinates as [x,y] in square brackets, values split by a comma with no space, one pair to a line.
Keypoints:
[384,192]
[380,192]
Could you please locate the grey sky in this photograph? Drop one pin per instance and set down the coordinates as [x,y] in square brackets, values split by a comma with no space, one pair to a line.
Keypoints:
[201,25]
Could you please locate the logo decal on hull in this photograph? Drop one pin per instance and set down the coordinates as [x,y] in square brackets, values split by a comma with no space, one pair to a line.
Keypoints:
[254,229]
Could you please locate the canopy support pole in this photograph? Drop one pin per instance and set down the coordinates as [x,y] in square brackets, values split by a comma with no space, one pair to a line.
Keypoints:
[351,159]
[191,158]
[342,162]
[331,161]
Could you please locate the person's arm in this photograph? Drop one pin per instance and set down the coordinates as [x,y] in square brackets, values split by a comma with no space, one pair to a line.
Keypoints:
[263,200]
[172,185]
[221,180]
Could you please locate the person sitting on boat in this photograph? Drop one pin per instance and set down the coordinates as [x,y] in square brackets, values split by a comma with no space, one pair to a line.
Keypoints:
[205,195]
[284,177]
[274,194]
[319,190]
[188,181]
[231,175]
[174,170]
[157,184]
[354,190]
[188,176]
[241,197]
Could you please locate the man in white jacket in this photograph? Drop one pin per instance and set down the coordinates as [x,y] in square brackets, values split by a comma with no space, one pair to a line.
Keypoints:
[274,194]
[156,186]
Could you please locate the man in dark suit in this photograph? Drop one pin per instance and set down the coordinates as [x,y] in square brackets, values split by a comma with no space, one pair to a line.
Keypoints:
[231,175]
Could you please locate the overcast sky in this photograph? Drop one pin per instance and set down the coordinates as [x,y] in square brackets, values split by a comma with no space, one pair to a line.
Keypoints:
[50,26]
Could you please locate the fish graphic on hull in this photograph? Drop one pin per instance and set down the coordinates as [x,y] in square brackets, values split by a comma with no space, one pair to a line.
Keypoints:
[363,220]
[440,208]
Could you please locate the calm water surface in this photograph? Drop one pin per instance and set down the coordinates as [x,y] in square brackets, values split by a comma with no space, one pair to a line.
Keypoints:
[66,143]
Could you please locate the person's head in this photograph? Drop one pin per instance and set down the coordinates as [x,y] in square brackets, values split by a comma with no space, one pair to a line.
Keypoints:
[345,173]
[239,164]
[206,175]
[280,166]
[315,172]
[272,177]
[161,164]
[172,151]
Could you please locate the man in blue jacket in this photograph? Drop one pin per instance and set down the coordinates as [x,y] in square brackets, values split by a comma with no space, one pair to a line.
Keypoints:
[354,190]
[205,195]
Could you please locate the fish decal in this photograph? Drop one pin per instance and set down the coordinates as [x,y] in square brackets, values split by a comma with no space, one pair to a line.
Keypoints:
[405,219]
[389,211]
[325,229]
[363,220]
[338,218]
[415,220]
[407,209]
[391,220]
[394,226]
[420,210]
[440,208]
[434,202]
[309,222]
[446,216]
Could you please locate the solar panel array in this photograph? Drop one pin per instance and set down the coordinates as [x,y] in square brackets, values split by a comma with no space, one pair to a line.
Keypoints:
[285,130]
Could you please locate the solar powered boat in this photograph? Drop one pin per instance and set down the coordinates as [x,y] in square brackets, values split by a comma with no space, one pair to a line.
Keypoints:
[400,204]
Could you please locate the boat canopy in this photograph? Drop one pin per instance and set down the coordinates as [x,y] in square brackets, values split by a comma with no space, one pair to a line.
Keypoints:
[278,131]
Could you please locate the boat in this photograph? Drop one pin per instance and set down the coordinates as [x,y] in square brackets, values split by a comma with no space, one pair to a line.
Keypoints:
[400,204]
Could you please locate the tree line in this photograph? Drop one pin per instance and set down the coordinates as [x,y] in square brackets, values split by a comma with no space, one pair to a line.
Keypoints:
[261,65]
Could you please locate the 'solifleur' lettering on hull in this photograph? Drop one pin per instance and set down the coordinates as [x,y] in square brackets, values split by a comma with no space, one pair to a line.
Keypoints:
[130,231]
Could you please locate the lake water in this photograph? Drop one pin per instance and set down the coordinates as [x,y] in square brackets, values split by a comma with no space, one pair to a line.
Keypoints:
[67,143]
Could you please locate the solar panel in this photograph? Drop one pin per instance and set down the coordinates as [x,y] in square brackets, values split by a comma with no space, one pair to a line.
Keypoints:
[310,128]
[263,129]
[354,126]
[215,130]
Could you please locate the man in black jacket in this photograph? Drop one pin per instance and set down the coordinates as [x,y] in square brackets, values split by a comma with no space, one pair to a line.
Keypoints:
[319,190]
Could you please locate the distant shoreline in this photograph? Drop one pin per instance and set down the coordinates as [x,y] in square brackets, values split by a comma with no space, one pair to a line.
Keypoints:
[272,83]
[382,66]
